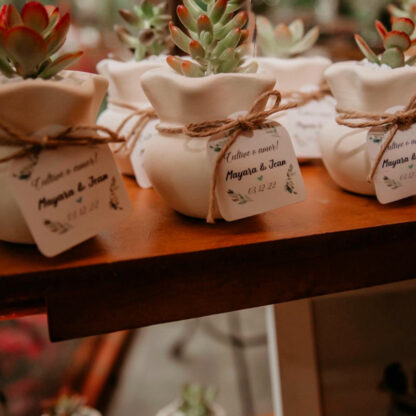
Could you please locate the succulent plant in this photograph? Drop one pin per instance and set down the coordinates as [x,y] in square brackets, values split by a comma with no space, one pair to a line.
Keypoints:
[29,39]
[215,39]
[150,29]
[196,401]
[408,9]
[396,43]
[67,406]
[284,41]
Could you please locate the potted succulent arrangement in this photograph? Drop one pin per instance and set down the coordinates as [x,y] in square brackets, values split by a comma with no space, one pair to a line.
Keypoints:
[36,93]
[299,78]
[128,108]
[214,83]
[195,401]
[69,406]
[374,85]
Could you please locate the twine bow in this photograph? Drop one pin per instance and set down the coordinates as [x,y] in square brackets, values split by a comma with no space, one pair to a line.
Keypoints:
[303,98]
[144,116]
[255,119]
[69,136]
[400,120]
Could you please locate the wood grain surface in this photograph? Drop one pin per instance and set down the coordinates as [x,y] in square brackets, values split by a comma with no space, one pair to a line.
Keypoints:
[159,266]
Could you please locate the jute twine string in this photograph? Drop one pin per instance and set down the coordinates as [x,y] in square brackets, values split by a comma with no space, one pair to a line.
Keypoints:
[303,98]
[255,119]
[400,120]
[144,116]
[70,136]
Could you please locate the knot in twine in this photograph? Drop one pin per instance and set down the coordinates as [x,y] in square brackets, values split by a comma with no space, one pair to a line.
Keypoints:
[400,120]
[255,119]
[303,98]
[144,116]
[67,136]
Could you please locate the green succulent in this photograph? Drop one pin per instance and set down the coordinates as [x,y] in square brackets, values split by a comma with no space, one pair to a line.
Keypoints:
[215,39]
[285,40]
[196,401]
[29,41]
[396,43]
[148,34]
[406,9]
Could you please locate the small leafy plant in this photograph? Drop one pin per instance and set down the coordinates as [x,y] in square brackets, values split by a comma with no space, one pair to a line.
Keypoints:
[284,41]
[215,39]
[196,401]
[29,39]
[149,24]
[67,406]
[396,43]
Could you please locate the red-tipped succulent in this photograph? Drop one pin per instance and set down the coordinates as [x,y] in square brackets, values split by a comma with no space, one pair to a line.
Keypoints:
[29,39]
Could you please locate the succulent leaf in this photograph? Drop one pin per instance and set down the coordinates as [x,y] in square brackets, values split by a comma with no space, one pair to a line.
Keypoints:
[403,24]
[191,69]
[284,41]
[366,50]
[35,16]
[181,40]
[381,29]
[393,57]
[27,48]
[59,64]
[396,39]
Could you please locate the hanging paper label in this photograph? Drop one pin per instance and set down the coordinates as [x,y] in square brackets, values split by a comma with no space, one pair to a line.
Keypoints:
[305,124]
[68,195]
[137,154]
[395,177]
[259,173]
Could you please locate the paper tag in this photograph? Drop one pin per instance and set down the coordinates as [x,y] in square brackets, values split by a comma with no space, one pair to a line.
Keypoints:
[137,154]
[395,177]
[259,173]
[305,124]
[68,195]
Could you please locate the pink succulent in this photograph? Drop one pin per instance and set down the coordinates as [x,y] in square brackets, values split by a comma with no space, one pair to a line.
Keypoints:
[29,39]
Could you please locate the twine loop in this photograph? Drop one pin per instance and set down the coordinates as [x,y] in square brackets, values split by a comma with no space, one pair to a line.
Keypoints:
[133,135]
[68,136]
[400,120]
[256,118]
[303,98]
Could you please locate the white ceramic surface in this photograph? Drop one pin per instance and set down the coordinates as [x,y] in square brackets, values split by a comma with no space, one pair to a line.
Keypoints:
[360,87]
[86,411]
[177,165]
[32,104]
[296,74]
[125,87]
[171,408]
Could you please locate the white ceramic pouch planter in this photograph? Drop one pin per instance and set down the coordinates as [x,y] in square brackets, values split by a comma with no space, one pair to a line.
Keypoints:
[299,74]
[125,87]
[177,165]
[361,87]
[31,105]
[171,408]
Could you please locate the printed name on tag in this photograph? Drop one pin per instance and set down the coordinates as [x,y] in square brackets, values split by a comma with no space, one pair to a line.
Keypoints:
[395,177]
[259,173]
[305,124]
[68,195]
[137,154]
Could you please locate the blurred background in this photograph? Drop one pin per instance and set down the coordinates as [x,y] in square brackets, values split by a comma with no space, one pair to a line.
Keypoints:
[138,372]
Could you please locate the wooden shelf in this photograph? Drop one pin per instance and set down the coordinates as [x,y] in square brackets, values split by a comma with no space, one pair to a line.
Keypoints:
[159,266]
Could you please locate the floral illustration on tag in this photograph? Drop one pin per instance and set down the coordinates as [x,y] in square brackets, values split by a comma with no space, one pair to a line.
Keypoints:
[57,227]
[217,148]
[114,200]
[26,172]
[391,183]
[290,185]
[239,198]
